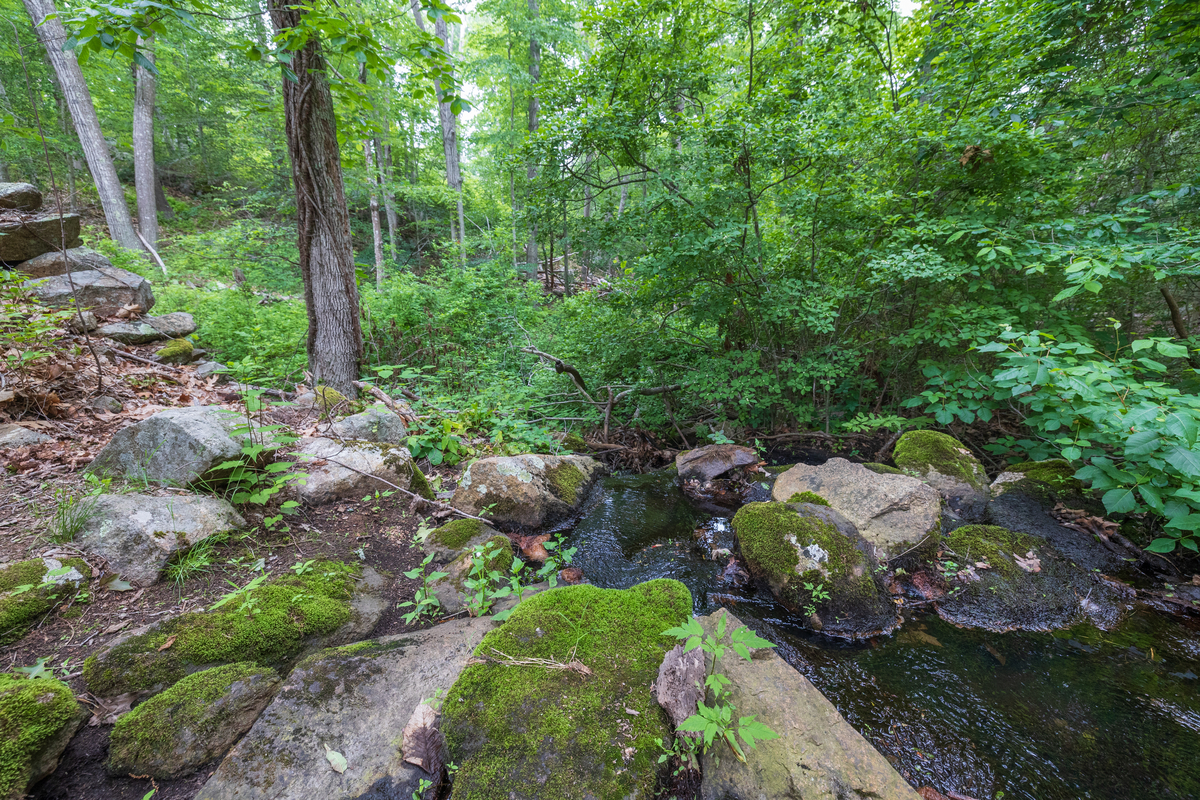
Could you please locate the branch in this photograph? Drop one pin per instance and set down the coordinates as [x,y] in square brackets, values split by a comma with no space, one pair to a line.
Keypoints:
[437,503]
[560,367]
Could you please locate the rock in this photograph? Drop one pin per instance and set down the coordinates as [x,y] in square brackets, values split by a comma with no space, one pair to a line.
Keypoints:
[176,351]
[207,368]
[175,447]
[448,541]
[1051,481]
[20,196]
[679,687]
[712,461]
[581,732]
[355,700]
[198,719]
[105,291]
[138,534]
[530,490]
[795,547]
[330,481]
[30,236]
[450,592]
[893,512]
[287,618]
[818,755]
[325,399]
[376,424]
[38,717]
[89,322]
[109,405]
[175,325]
[77,259]
[20,610]
[130,333]
[1023,509]
[12,435]
[947,465]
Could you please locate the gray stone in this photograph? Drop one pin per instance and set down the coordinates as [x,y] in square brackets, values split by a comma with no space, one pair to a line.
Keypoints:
[206,368]
[327,481]
[105,291]
[530,490]
[818,755]
[376,424]
[29,237]
[20,196]
[77,259]
[107,404]
[172,448]
[893,512]
[18,436]
[138,534]
[712,461]
[89,322]
[353,700]
[130,333]
[175,325]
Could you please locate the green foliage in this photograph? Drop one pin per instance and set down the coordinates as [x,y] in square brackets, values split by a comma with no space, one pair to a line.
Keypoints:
[424,601]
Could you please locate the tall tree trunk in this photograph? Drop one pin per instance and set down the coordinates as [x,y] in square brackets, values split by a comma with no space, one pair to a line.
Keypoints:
[376,227]
[143,150]
[326,258]
[389,200]
[535,76]
[112,197]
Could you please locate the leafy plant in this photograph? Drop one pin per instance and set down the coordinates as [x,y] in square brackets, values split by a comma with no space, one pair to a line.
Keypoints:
[254,477]
[817,594]
[559,558]
[484,585]
[249,603]
[439,441]
[424,601]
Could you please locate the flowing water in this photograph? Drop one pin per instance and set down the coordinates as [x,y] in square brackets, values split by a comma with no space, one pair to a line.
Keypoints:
[1077,714]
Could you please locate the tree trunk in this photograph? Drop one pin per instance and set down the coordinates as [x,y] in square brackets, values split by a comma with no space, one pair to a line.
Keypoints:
[376,227]
[143,150]
[112,197]
[535,76]
[389,201]
[160,198]
[326,258]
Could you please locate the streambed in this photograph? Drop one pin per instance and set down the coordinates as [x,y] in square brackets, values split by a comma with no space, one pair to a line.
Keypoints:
[1080,713]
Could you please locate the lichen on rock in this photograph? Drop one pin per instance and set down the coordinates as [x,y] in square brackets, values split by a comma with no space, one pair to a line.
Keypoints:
[38,716]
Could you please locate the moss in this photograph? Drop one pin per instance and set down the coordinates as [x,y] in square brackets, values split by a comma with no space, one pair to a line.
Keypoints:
[503,558]
[183,709]
[457,533]
[1055,477]
[420,484]
[176,351]
[329,398]
[808,497]
[575,443]
[546,734]
[18,612]
[566,480]
[32,712]
[992,544]
[920,451]
[779,469]
[883,469]
[287,611]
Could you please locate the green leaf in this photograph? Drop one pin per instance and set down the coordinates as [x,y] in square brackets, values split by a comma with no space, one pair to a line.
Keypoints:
[337,761]
[1119,501]
[1161,546]
[1185,460]
[1172,350]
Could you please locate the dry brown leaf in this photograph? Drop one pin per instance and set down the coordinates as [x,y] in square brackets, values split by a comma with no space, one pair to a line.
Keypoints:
[166,644]
[424,745]
[114,628]
[1030,562]
[107,711]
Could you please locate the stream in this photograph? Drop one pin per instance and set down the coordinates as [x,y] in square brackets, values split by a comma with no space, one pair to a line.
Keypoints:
[1080,713]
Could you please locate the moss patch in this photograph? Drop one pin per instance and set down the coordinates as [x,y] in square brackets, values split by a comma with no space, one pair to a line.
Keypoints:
[328,398]
[547,734]
[575,443]
[992,544]
[883,469]
[566,480]
[920,451]
[18,612]
[176,351]
[32,712]
[287,611]
[1049,479]
[420,484]
[808,497]
[457,533]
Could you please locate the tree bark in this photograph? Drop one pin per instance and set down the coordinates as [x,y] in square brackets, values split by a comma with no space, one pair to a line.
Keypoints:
[160,198]
[143,150]
[376,227]
[326,259]
[389,201]
[87,125]
[535,76]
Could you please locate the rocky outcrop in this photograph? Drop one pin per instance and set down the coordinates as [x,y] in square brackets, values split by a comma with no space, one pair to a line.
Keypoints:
[376,424]
[341,470]
[896,513]
[354,701]
[712,461]
[23,236]
[138,534]
[105,291]
[818,755]
[198,719]
[947,465]
[12,435]
[38,717]
[20,197]
[529,490]
[77,259]
[175,447]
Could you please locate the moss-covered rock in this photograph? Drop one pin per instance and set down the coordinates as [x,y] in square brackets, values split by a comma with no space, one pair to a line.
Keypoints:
[176,351]
[566,481]
[196,720]
[270,626]
[38,717]
[921,452]
[808,497]
[1049,481]
[575,443]
[450,591]
[546,734]
[30,589]
[420,484]
[990,545]
[883,469]
[530,490]
[328,398]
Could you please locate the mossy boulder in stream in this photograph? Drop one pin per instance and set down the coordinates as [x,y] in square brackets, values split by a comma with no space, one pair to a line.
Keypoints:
[947,465]
[814,560]
[38,717]
[519,729]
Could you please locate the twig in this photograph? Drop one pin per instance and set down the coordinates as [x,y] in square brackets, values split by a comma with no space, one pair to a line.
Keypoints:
[152,252]
[407,417]
[506,660]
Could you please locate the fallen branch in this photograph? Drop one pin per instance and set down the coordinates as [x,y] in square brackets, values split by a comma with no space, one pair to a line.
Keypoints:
[406,416]
[561,367]
[153,253]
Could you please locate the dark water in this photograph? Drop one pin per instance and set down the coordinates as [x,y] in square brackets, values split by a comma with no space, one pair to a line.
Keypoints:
[1077,714]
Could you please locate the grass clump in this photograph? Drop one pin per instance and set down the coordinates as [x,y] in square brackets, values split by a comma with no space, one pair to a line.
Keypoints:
[921,451]
[507,722]
[808,497]
[32,712]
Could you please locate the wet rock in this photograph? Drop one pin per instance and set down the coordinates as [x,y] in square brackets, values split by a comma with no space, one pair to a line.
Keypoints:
[1021,509]
[712,461]
[12,435]
[354,700]
[529,490]
[175,325]
[376,424]
[30,236]
[817,565]
[176,351]
[818,755]
[21,608]
[20,196]
[947,465]
[894,512]
[329,480]
[175,447]
[77,259]
[130,332]
[105,291]
[38,717]
[138,534]
[198,719]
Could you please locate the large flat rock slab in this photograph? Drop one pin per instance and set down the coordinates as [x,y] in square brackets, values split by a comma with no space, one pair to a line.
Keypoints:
[20,196]
[105,291]
[76,259]
[23,237]
[354,700]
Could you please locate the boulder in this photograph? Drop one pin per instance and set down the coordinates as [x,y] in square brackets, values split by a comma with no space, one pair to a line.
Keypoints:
[293,615]
[818,755]
[130,332]
[894,512]
[138,534]
[175,447]
[529,490]
[947,465]
[206,369]
[20,196]
[585,731]
[175,325]
[327,481]
[82,321]
[21,608]
[105,291]
[355,701]
[77,259]
[376,424]
[451,594]
[816,564]
[198,719]
[176,351]
[29,236]
[12,435]
[38,717]
[712,461]
[109,405]
[448,541]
